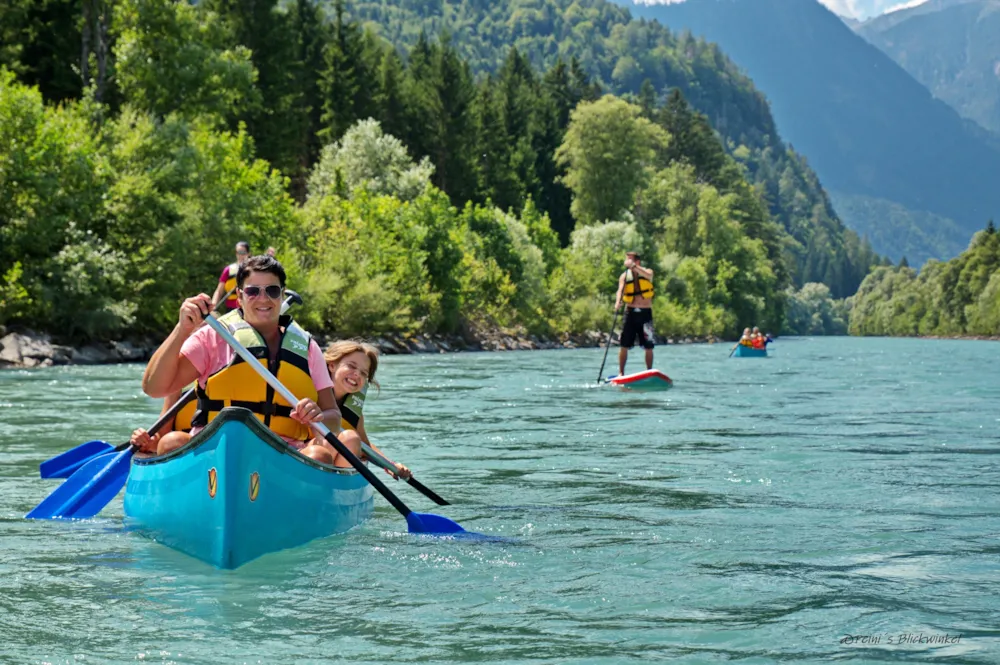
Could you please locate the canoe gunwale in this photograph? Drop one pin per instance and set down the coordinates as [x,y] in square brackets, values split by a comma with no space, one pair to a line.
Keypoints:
[245,416]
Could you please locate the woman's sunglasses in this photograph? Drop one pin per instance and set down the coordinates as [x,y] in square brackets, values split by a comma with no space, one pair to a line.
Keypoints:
[273,291]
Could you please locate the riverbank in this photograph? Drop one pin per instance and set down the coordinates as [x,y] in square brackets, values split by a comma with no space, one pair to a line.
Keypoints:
[29,349]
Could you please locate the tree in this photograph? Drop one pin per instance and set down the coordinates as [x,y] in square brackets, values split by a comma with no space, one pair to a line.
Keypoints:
[607,152]
[173,58]
[365,159]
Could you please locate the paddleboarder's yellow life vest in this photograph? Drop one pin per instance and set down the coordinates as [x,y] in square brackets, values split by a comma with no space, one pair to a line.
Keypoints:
[351,407]
[232,301]
[636,285]
[238,384]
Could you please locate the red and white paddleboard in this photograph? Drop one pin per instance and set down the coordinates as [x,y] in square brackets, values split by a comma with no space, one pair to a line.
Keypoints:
[650,379]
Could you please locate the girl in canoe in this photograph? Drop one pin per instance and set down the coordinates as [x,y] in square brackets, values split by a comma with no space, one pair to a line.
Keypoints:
[352,366]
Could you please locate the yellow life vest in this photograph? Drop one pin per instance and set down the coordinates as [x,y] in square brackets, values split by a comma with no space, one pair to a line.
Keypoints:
[184,417]
[636,286]
[238,384]
[351,407]
[232,301]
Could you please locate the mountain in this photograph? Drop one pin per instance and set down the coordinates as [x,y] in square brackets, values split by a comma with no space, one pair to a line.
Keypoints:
[950,46]
[876,137]
[602,40]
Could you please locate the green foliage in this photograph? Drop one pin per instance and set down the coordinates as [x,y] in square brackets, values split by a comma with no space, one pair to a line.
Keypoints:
[172,57]
[812,311]
[51,176]
[608,49]
[439,204]
[368,160]
[608,151]
[960,297]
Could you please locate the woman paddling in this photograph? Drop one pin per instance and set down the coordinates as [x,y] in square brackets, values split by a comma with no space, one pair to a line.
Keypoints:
[352,367]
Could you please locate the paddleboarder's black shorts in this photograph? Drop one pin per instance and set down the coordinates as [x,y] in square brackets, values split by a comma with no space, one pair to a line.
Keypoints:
[638,325]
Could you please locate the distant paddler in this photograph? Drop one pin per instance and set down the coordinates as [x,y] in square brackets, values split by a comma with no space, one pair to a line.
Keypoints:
[227,281]
[635,289]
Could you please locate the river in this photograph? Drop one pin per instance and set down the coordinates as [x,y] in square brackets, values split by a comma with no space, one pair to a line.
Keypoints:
[837,501]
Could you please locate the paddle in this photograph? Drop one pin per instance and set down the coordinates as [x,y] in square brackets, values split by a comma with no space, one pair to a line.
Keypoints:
[385,463]
[67,463]
[416,522]
[733,350]
[98,480]
[608,347]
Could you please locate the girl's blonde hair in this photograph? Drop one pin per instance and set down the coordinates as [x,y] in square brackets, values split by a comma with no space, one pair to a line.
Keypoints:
[337,351]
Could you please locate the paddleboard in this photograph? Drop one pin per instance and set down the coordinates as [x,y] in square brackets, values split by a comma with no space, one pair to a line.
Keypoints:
[650,379]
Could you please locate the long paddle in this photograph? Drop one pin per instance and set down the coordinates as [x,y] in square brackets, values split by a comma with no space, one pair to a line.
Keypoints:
[608,347]
[99,480]
[416,522]
[385,463]
[66,464]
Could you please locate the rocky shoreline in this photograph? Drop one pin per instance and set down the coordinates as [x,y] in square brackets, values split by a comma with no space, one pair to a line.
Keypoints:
[29,349]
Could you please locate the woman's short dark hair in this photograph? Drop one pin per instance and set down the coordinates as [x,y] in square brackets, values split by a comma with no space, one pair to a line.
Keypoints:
[262,263]
[243,244]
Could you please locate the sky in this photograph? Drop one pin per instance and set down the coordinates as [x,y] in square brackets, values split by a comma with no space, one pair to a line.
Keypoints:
[859,9]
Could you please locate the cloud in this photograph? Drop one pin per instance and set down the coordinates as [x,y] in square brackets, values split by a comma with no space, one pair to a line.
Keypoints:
[847,8]
[904,5]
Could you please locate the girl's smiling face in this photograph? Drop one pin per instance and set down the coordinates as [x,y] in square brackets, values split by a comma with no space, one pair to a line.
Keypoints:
[350,375]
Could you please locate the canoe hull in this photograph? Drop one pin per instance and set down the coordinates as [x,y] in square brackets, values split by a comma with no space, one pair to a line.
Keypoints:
[743,351]
[649,380]
[237,492]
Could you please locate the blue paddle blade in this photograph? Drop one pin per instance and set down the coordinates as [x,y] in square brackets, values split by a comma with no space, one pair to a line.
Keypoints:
[429,523]
[87,491]
[65,464]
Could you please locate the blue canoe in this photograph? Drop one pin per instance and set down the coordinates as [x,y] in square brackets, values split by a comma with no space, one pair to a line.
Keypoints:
[744,351]
[237,492]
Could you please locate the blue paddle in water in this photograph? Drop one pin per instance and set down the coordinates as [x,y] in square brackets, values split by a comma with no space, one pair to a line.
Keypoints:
[415,522]
[97,481]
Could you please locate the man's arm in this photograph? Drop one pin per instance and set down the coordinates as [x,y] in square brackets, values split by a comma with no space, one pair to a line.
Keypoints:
[168,371]
[643,271]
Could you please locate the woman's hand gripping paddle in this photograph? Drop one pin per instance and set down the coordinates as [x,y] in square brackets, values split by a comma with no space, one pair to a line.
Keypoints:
[416,522]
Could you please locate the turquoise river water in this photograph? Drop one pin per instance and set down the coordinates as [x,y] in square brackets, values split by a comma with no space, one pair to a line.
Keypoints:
[837,501]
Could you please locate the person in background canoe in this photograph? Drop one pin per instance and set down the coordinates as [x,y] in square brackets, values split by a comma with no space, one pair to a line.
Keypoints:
[352,367]
[227,280]
[747,338]
[760,340]
[193,352]
[635,289]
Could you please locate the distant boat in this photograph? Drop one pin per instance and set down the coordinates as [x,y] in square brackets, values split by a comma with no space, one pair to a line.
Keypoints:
[744,351]
[650,379]
[237,492]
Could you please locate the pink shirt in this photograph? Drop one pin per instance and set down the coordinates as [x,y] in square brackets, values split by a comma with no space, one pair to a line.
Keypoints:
[209,353]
